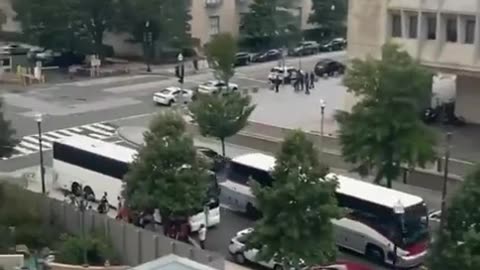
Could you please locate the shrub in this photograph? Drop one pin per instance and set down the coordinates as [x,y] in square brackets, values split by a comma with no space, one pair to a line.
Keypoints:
[98,250]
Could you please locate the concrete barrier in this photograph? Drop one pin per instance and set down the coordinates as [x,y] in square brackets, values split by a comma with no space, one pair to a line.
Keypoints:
[12,261]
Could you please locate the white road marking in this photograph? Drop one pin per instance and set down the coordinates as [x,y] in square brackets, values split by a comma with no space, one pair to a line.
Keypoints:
[49,138]
[75,129]
[96,136]
[56,134]
[35,140]
[29,145]
[103,126]
[96,130]
[23,150]
[66,132]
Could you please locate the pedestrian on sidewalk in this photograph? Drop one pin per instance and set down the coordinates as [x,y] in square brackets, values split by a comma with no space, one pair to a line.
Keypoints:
[312,79]
[202,235]
[302,79]
[307,83]
[277,83]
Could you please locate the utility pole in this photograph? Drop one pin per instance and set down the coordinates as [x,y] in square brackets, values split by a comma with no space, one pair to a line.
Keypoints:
[445,180]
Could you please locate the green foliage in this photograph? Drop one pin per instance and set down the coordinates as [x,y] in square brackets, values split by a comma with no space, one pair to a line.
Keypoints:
[384,129]
[297,209]
[72,248]
[7,133]
[270,20]
[20,219]
[167,173]
[77,25]
[222,115]
[221,56]
[169,21]
[324,15]
[458,245]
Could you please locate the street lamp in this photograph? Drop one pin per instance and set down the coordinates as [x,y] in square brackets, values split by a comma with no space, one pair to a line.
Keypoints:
[38,118]
[148,39]
[322,119]
[445,180]
[82,206]
[399,211]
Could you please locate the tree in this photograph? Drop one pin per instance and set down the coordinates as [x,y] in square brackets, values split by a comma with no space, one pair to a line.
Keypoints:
[297,209]
[222,115]
[270,21]
[221,56]
[72,25]
[7,133]
[458,245]
[98,249]
[168,19]
[384,130]
[329,14]
[167,174]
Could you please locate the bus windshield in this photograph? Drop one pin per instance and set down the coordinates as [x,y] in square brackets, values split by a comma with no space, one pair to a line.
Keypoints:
[415,225]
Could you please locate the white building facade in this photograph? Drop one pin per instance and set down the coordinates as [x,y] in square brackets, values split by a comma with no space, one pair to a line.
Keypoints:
[442,34]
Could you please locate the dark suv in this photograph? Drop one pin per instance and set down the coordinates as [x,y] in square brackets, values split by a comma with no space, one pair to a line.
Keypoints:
[336,44]
[329,67]
[305,48]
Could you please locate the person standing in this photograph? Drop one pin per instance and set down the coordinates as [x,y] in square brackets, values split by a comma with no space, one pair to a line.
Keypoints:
[202,235]
[277,83]
[312,79]
[301,79]
[306,77]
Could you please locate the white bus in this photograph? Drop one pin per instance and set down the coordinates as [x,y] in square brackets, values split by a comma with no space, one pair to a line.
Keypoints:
[99,167]
[370,226]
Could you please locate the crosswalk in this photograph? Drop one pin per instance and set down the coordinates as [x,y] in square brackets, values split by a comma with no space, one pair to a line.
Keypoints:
[30,144]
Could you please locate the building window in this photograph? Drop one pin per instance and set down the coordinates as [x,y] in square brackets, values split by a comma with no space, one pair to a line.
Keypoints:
[431,27]
[412,25]
[469,31]
[214,25]
[396,25]
[451,29]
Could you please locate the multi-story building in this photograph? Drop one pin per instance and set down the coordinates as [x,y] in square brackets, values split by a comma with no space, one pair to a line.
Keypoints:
[442,34]
[209,17]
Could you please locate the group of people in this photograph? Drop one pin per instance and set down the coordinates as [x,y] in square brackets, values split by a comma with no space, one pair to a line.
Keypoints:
[84,202]
[300,80]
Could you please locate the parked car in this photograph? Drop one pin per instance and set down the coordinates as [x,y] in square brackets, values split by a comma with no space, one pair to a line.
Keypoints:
[214,159]
[267,56]
[328,67]
[285,73]
[171,95]
[305,48]
[336,44]
[213,87]
[242,59]
[241,254]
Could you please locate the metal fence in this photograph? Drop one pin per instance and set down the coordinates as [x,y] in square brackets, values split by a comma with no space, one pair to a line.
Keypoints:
[134,245]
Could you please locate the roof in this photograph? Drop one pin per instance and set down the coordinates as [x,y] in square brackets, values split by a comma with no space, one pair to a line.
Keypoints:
[374,193]
[256,160]
[347,186]
[172,262]
[101,148]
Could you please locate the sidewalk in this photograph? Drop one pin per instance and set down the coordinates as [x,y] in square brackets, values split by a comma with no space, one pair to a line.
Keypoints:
[233,266]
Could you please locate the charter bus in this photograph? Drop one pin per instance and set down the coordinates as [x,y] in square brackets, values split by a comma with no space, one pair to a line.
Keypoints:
[99,167]
[370,225]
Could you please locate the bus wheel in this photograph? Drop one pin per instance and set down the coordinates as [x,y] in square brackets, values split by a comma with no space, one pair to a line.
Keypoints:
[277,267]
[89,194]
[375,253]
[76,189]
